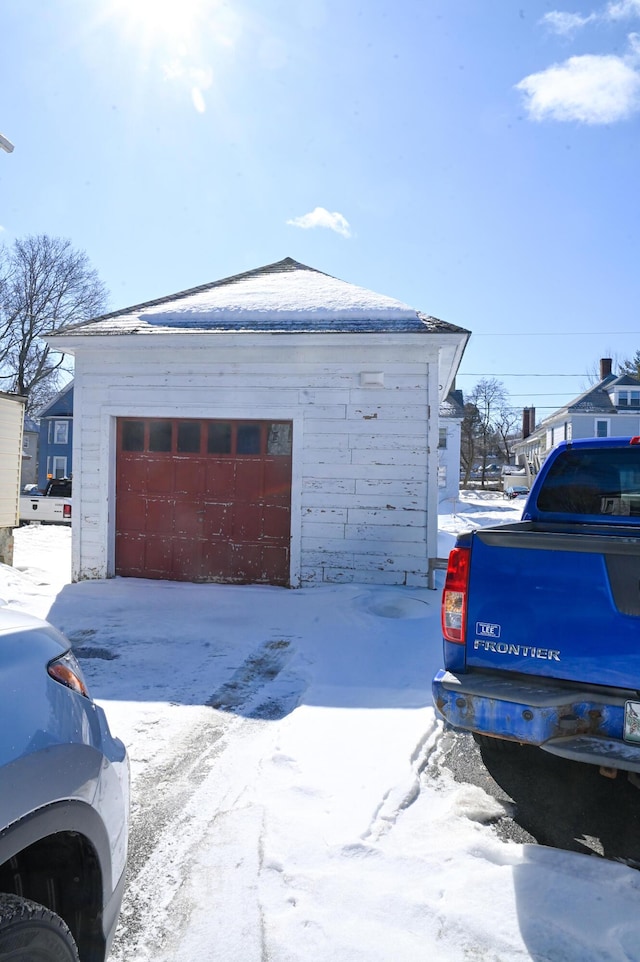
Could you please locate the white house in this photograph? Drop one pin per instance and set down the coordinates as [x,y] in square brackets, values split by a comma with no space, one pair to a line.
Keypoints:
[11,431]
[450,431]
[278,426]
[610,408]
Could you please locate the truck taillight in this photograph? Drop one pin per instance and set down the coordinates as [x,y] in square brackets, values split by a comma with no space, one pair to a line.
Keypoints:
[66,511]
[454,596]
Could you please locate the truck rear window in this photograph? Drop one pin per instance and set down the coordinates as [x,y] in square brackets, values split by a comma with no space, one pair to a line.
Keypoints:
[59,489]
[603,481]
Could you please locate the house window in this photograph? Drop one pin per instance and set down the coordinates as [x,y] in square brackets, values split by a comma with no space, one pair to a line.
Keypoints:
[602,428]
[57,467]
[26,443]
[442,438]
[58,432]
[442,477]
[629,399]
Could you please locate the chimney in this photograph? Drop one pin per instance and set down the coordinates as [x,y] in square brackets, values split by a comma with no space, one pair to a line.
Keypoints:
[528,421]
[605,367]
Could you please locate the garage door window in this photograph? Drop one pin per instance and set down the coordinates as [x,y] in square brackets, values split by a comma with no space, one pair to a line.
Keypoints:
[236,439]
[189,437]
[133,436]
[279,439]
[160,436]
[219,437]
[248,441]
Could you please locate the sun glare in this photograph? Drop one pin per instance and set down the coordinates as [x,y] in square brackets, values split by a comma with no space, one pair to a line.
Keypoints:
[166,23]
[182,39]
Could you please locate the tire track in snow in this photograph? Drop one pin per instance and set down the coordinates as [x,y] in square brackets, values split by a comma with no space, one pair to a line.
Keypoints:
[177,802]
[162,834]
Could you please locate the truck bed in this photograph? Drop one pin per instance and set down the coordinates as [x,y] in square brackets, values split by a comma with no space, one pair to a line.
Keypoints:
[44,510]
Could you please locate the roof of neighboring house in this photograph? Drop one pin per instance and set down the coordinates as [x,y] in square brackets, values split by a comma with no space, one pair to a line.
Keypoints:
[285,297]
[60,405]
[453,405]
[597,399]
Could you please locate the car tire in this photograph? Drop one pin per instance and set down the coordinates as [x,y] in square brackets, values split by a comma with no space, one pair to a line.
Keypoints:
[29,932]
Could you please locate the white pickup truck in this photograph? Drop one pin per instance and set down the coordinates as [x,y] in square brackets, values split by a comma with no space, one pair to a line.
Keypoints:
[51,506]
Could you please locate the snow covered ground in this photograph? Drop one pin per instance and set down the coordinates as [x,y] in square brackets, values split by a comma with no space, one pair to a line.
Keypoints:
[289,801]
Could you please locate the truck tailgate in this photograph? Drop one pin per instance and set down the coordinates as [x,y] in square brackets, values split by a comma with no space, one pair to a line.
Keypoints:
[561,603]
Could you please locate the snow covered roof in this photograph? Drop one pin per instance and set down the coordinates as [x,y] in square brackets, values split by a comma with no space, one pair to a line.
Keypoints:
[285,297]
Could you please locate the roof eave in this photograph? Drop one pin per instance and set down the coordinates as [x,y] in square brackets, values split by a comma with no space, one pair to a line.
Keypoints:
[69,343]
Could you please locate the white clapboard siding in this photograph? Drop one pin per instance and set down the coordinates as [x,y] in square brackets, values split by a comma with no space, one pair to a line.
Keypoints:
[11,427]
[360,454]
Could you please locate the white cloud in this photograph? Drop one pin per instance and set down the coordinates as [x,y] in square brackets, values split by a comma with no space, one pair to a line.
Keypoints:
[320,217]
[590,89]
[566,23]
[623,10]
[634,48]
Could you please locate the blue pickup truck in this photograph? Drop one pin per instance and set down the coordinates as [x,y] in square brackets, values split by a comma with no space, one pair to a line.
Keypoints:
[541,617]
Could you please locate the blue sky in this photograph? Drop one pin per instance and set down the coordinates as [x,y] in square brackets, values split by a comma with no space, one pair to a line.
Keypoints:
[477,159]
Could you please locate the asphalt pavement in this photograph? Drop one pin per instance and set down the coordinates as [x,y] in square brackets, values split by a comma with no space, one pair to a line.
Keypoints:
[551,801]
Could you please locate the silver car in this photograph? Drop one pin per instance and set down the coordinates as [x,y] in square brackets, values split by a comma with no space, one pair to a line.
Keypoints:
[64,802]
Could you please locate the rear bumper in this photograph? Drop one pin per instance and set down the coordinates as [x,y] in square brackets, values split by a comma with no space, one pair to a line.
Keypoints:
[582,723]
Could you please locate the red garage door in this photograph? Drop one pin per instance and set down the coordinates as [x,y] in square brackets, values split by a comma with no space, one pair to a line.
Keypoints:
[203,500]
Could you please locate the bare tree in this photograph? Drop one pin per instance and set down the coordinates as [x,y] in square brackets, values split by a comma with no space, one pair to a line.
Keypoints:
[487,426]
[469,440]
[489,397]
[506,421]
[44,284]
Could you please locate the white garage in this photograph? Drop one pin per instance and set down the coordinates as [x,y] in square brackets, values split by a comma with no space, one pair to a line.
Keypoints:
[279,426]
